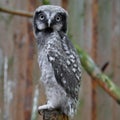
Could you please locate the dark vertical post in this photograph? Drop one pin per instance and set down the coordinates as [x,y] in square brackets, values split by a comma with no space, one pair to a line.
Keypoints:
[115,55]
[94,53]
[29,64]
[64,4]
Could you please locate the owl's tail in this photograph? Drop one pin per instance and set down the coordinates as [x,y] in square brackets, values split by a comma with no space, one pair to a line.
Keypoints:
[70,108]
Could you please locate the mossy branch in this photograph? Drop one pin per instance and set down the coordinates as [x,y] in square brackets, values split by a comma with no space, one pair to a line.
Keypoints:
[103,80]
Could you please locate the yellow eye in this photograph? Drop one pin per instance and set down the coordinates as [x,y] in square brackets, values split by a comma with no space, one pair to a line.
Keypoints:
[58,18]
[41,16]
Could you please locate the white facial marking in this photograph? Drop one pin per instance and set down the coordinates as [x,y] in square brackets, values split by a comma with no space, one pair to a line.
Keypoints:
[41,26]
[49,22]
[57,27]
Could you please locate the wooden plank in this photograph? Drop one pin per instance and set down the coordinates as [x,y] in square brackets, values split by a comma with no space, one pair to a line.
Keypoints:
[31,5]
[115,54]
[79,30]
[104,50]
[94,55]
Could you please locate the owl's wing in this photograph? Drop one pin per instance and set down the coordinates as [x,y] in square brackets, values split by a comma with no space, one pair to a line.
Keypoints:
[66,66]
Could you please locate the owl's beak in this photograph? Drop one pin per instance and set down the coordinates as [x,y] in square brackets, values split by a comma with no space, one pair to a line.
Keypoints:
[49,22]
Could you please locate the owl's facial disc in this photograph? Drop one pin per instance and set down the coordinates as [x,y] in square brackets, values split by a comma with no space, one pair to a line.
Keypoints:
[41,21]
[50,18]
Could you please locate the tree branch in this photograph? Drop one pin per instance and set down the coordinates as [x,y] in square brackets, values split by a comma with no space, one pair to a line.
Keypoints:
[104,81]
[16,12]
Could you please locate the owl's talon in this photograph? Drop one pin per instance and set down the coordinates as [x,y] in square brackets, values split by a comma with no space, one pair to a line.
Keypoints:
[40,112]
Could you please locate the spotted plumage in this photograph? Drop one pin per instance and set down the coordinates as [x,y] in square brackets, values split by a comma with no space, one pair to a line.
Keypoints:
[57,58]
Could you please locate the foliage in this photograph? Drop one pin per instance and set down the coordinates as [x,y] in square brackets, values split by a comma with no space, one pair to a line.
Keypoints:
[46,2]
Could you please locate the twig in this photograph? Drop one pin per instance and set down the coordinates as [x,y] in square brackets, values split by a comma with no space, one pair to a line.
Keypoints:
[16,12]
[104,66]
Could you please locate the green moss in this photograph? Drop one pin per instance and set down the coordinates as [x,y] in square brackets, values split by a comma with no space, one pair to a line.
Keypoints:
[46,2]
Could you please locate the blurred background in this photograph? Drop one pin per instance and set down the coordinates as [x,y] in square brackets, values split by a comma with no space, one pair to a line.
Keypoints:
[93,24]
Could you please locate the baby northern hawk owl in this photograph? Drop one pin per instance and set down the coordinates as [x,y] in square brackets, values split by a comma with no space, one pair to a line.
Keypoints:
[57,58]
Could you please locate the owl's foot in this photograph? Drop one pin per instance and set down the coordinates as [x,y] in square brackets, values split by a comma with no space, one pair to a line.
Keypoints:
[45,107]
[40,112]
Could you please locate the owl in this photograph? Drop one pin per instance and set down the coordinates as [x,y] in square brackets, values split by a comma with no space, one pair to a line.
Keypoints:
[58,61]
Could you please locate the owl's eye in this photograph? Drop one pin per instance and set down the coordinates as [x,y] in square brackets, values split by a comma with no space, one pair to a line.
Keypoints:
[41,16]
[58,18]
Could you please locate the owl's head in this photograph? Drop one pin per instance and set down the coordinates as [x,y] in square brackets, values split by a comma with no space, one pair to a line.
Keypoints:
[50,18]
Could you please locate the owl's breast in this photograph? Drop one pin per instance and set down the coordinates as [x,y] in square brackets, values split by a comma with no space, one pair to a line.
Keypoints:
[47,73]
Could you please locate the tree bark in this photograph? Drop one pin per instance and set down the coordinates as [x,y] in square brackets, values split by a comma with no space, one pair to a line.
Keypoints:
[16,12]
[54,115]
